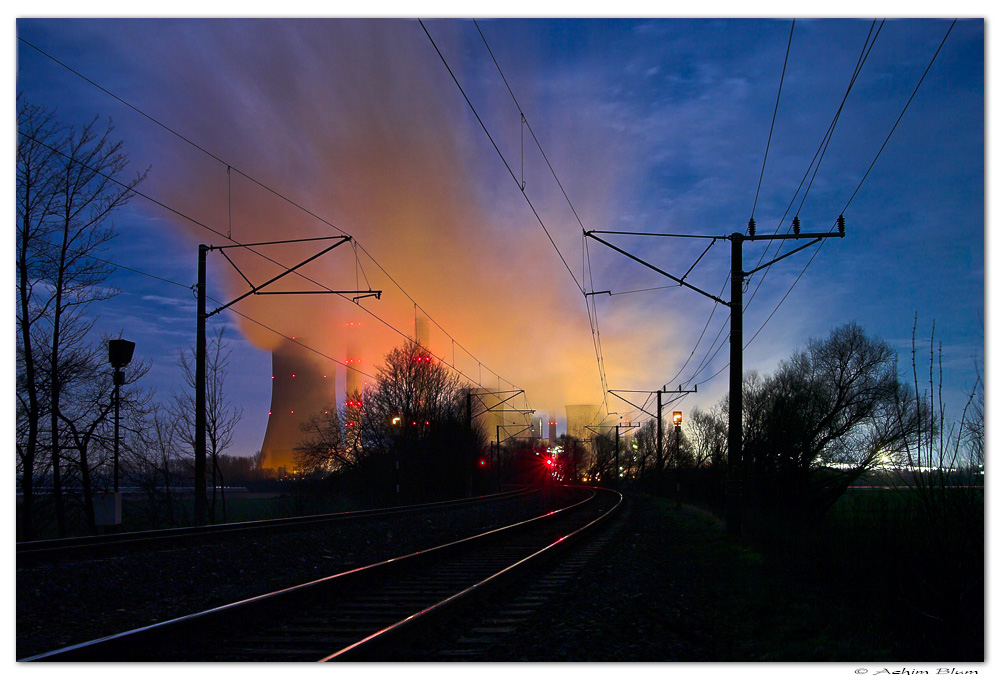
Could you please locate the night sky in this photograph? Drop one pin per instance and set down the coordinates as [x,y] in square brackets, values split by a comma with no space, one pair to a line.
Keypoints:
[312,128]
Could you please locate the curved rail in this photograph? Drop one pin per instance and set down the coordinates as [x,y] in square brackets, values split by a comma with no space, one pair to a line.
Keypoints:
[370,645]
[479,562]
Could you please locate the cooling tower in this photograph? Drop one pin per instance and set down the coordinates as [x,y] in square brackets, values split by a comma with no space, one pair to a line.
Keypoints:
[491,413]
[581,416]
[303,384]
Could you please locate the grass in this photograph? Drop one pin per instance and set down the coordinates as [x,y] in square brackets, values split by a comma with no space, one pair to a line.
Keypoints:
[901,581]
[755,607]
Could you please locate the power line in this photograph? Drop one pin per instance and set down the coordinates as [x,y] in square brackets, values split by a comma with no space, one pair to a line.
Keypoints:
[867,172]
[161,279]
[889,136]
[267,188]
[500,153]
[591,312]
[774,116]
[877,155]
[195,222]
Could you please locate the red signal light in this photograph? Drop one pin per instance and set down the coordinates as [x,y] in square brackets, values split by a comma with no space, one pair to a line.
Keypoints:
[482,461]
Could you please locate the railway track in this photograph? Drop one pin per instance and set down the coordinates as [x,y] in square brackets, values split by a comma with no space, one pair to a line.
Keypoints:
[368,613]
[34,552]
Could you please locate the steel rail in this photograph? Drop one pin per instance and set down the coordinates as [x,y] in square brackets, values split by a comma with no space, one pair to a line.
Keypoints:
[60,547]
[177,639]
[369,647]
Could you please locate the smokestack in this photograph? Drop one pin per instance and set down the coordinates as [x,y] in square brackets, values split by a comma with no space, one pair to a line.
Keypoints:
[301,387]
[422,331]
[354,386]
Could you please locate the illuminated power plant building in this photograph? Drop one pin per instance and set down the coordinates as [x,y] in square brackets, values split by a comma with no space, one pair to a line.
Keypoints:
[536,427]
[301,387]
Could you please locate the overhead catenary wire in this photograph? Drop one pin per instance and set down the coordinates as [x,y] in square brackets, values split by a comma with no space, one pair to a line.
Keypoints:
[587,264]
[774,117]
[500,154]
[864,177]
[186,287]
[853,194]
[202,225]
[591,311]
[229,169]
[813,167]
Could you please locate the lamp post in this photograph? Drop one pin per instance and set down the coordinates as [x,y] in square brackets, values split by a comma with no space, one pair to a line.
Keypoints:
[678,417]
[119,355]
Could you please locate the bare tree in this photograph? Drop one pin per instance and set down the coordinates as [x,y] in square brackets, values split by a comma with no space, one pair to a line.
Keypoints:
[408,433]
[40,137]
[222,416]
[68,188]
[602,458]
[151,462]
[840,401]
[708,437]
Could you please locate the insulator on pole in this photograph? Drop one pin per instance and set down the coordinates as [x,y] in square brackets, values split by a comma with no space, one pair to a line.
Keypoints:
[840,225]
[796,225]
[752,225]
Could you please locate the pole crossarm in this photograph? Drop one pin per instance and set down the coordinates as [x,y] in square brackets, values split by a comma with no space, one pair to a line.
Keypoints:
[255,290]
[656,269]
[511,436]
[494,408]
[201,417]
[360,293]
[650,233]
[737,478]
[619,426]
[816,238]
[630,403]
[782,257]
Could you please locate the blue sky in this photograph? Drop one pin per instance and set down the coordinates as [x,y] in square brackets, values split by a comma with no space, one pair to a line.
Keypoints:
[650,125]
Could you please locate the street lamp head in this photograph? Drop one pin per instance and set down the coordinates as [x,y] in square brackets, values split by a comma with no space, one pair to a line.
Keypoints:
[120,352]
[678,417]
